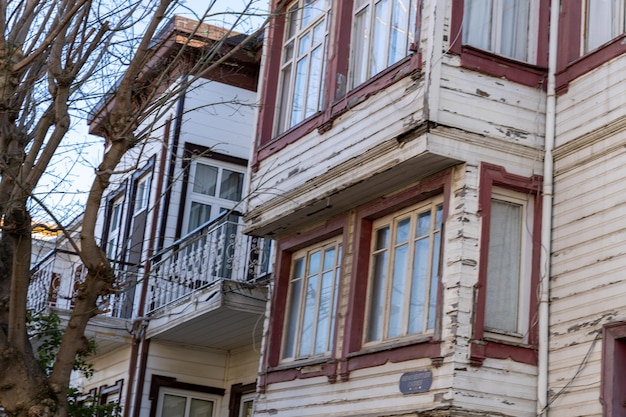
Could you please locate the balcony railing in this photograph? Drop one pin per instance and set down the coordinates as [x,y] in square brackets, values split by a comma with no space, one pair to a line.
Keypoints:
[56,278]
[217,250]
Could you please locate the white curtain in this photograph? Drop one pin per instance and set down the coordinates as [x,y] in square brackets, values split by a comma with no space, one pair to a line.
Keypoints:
[477,23]
[503,266]
[514,31]
[600,17]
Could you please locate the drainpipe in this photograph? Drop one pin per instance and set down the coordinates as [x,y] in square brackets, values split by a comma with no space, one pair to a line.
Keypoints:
[546,217]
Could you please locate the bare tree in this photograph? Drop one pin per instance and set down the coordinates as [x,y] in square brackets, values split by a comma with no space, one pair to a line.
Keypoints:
[54,54]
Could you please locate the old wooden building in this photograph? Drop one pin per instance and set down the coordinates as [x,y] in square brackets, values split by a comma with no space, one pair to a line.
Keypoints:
[444,183]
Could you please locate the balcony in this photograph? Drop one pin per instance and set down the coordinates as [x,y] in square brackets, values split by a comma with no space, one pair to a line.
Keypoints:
[209,283]
[207,287]
[53,284]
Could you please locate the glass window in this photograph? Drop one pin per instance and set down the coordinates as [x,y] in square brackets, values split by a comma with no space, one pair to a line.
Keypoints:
[383,31]
[505,27]
[214,189]
[404,273]
[143,193]
[604,20]
[180,403]
[246,406]
[231,185]
[312,302]
[205,179]
[198,215]
[508,266]
[303,61]
[114,228]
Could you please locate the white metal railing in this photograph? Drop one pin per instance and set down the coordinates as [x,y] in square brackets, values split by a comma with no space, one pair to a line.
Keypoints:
[55,279]
[217,250]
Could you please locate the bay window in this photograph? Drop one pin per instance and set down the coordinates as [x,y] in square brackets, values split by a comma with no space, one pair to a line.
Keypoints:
[383,32]
[404,273]
[327,54]
[312,300]
[303,61]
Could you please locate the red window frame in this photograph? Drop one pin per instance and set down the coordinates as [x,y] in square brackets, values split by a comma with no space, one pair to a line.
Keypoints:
[275,371]
[496,176]
[354,356]
[336,100]
[532,75]
[613,381]
[570,63]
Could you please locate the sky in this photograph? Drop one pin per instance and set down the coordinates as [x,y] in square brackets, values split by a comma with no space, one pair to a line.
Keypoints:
[70,177]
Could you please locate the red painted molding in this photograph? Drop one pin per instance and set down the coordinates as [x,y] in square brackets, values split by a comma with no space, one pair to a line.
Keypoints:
[328,369]
[431,349]
[480,350]
[613,379]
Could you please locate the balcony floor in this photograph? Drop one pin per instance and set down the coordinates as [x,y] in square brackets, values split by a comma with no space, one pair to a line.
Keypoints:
[227,315]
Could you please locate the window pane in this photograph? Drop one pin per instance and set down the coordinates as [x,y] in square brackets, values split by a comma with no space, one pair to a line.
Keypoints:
[246,408]
[205,179]
[399,32]
[297,110]
[308,319]
[377,297]
[397,306]
[477,23]
[173,406]
[200,408]
[360,46]
[232,185]
[600,16]
[419,286]
[198,215]
[312,10]
[315,82]
[514,32]
[293,312]
[116,211]
[434,282]
[503,266]
[380,41]
[143,192]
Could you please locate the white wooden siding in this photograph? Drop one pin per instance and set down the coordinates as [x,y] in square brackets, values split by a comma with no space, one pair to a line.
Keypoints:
[592,101]
[588,260]
[491,106]
[195,365]
[219,116]
[108,369]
